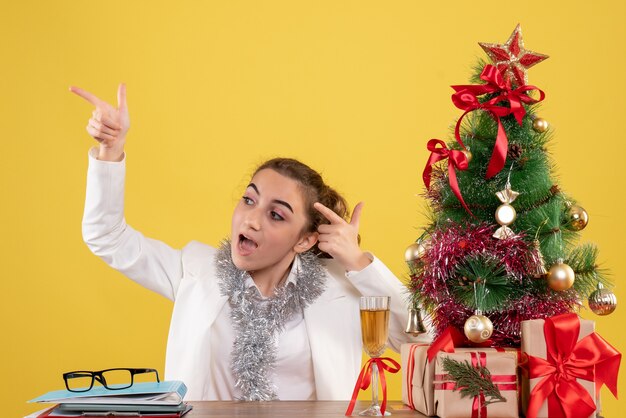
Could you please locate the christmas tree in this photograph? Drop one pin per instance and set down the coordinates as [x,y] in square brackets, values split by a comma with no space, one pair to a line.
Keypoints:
[502,244]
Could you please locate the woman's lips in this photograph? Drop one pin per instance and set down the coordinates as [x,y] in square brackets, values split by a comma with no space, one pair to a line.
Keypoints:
[246,245]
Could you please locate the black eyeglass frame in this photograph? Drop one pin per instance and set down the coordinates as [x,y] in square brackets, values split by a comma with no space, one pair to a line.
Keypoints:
[99,376]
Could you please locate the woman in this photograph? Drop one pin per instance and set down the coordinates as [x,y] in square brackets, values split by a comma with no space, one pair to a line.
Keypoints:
[265,316]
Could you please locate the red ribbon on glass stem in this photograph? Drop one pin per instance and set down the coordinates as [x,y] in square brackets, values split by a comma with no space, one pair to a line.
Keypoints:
[456,161]
[466,98]
[591,358]
[365,378]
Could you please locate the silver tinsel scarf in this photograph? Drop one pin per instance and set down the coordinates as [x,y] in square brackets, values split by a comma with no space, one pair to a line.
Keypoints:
[258,321]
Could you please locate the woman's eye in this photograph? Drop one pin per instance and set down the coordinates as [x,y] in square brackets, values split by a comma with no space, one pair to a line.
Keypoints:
[247,200]
[276,216]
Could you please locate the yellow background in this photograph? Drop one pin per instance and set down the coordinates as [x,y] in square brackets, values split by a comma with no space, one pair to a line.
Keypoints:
[354,88]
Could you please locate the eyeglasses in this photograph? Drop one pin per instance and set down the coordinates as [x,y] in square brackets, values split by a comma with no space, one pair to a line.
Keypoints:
[112,379]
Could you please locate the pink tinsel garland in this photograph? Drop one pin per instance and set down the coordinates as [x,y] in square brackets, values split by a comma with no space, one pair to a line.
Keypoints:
[450,246]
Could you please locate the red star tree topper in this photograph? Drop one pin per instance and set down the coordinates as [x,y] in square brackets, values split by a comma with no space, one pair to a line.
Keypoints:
[511,59]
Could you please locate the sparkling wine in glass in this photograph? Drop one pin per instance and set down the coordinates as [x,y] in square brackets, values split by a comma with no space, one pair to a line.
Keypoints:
[374,329]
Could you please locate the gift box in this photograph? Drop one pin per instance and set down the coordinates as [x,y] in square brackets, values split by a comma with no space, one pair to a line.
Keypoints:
[418,374]
[564,352]
[502,367]
[417,378]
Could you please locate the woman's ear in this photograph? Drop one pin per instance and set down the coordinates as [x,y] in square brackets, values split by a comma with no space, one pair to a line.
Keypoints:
[306,242]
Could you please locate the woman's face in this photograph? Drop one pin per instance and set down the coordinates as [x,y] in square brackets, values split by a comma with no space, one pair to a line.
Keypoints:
[268,226]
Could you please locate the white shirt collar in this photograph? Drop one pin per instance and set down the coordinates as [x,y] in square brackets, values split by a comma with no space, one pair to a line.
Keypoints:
[292,277]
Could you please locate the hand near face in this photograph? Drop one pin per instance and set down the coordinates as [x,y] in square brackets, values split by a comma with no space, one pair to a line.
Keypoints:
[108,124]
[340,238]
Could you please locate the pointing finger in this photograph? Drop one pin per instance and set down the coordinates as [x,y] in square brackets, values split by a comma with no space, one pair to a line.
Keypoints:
[87,96]
[328,213]
[121,96]
[356,214]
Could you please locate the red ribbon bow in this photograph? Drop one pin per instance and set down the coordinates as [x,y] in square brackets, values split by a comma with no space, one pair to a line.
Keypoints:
[365,378]
[446,342]
[466,98]
[591,358]
[456,160]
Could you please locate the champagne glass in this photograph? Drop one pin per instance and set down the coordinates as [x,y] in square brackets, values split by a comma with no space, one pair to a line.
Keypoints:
[374,329]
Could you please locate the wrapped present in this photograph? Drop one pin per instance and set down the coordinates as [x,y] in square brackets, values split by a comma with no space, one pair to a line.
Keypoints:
[567,364]
[476,384]
[417,378]
[418,372]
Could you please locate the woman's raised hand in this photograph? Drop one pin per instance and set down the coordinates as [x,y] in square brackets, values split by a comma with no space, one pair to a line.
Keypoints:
[340,238]
[108,125]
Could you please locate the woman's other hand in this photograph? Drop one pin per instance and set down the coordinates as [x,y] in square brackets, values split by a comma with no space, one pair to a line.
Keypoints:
[340,238]
[108,125]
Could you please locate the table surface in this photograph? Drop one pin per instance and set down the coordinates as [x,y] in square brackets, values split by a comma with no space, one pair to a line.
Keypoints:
[203,409]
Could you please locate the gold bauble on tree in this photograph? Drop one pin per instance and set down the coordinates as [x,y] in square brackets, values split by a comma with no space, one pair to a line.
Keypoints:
[540,125]
[467,154]
[602,301]
[577,218]
[478,328]
[415,251]
[560,277]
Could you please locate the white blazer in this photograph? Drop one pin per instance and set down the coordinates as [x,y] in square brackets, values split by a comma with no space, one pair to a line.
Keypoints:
[188,278]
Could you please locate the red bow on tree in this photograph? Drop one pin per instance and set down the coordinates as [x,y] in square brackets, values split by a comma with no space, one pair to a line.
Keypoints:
[456,160]
[466,98]
[591,358]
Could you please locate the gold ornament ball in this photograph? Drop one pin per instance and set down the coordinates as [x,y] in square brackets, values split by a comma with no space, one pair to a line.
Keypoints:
[414,251]
[540,125]
[468,155]
[578,218]
[560,277]
[505,214]
[478,328]
[602,301]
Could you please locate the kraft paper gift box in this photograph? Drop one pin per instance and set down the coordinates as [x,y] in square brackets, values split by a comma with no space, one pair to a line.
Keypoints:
[417,378]
[534,343]
[503,368]
[418,375]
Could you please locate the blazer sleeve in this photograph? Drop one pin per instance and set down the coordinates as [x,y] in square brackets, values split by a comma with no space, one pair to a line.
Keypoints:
[377,280]
[148,262]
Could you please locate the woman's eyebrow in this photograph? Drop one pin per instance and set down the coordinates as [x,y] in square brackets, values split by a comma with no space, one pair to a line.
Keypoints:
[285,204]
[278,201]
[256,189]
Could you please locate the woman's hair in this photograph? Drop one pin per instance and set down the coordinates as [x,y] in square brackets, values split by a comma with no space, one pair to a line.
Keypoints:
[314,190]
